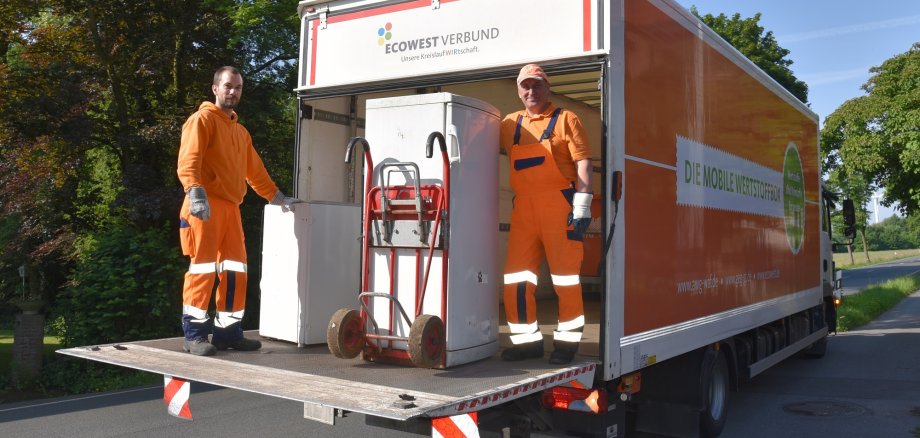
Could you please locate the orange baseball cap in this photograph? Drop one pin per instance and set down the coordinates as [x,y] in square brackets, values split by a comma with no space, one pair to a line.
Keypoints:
[532,71]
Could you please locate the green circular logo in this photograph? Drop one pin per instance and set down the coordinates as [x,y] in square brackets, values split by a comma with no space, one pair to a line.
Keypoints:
[794,198]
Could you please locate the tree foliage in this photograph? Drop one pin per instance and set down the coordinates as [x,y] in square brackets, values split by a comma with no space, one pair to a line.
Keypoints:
[116,288]
[877,135]
[748,37]
[892,233]
[94,96]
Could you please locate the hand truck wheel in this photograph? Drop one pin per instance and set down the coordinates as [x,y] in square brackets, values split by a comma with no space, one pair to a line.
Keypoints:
[345,334]
[426,341]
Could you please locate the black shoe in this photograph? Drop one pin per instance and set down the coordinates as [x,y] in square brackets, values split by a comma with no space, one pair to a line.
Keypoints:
[563,352]
[529,350]
[241,344]
[199,347]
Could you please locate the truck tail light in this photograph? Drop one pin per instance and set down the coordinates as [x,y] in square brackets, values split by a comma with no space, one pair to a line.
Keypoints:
[575,399]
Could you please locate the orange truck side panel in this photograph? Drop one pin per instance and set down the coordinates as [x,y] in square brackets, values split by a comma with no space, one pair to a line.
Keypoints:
[677,85]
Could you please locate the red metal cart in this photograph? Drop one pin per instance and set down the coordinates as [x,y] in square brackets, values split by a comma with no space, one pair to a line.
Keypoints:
[414,216]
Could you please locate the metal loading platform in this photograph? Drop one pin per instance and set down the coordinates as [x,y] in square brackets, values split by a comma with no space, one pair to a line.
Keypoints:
[313,376]
[318,379]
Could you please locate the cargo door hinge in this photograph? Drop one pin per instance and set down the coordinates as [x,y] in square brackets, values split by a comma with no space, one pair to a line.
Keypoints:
[322,18]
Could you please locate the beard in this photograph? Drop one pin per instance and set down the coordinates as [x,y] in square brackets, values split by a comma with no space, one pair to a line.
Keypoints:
[228,103]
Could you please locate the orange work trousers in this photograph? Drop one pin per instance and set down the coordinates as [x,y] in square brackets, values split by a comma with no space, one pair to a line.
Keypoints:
[539,229]
[218,253]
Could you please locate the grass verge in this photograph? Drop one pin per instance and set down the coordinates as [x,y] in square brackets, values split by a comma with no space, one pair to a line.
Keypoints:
[52,343]
[10,392]
[860,309]
[62,375]
[843,261]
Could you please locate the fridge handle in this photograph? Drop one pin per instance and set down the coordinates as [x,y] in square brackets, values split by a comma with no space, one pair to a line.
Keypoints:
[453,144]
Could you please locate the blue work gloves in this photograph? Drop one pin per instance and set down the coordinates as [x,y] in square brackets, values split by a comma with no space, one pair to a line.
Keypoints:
[580,216]
[286,202]
[199,206]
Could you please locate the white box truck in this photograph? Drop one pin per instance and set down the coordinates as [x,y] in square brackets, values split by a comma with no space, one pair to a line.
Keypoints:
[709,260]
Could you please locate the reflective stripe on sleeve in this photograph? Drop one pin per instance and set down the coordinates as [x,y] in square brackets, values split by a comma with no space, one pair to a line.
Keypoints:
[565,280]
[517,277]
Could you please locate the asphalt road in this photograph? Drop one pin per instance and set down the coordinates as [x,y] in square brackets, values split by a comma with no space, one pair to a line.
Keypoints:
[868,385]
[855,280]
[142,413]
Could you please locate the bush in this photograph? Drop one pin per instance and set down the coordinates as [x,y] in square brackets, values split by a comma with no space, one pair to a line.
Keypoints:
[78,376]
[126,285]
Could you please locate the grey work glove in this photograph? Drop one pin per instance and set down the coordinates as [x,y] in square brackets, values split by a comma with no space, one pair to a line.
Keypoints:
[199,203]
[285,202]
[580,217]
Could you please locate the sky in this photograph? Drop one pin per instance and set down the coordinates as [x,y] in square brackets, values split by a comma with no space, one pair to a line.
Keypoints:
[832,43]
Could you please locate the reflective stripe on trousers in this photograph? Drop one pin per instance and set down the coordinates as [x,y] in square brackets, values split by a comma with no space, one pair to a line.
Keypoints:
[218,253]
[570,331]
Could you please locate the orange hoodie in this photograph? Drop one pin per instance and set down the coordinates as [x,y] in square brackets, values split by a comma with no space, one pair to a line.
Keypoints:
[216,153]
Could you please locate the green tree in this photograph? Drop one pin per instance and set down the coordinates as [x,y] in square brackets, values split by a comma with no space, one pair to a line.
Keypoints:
[94,96]
[892,233]
[116,289]
[859,191]
[748,37]
[877,135]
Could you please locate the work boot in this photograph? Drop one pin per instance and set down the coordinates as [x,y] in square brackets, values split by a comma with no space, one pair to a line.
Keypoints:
[563,352]
[529,350]
[240,344]
[199,347]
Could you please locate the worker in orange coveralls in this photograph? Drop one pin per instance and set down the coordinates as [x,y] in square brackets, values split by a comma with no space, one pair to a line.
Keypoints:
[550,175]
[216,161]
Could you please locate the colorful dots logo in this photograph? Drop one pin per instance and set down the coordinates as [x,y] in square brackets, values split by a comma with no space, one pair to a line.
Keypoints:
[384,34]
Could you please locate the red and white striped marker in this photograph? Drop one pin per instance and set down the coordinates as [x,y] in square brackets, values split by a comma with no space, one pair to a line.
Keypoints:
[175,395]
[457,426]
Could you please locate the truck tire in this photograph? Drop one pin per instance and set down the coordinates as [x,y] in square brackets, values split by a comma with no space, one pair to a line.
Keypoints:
[426,341]
[817,350]
[345,334]
[715,387]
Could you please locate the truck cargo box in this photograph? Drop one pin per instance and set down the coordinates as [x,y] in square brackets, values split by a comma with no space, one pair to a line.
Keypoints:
[710,250]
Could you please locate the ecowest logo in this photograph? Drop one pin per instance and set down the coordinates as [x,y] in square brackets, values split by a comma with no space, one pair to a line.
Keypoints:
[436,45]
[384,34]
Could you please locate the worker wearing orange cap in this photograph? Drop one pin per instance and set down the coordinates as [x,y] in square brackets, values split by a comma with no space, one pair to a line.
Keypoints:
[550,175]
[216,161]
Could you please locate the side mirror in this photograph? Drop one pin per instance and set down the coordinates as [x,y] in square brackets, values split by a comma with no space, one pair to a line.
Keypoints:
[849,219]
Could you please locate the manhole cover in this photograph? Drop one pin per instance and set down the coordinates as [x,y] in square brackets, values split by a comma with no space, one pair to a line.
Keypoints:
[825,409]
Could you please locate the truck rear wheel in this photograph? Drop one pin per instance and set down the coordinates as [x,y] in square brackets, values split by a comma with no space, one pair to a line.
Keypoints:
[345,334]
[817,350]
[426,341]
[715,393]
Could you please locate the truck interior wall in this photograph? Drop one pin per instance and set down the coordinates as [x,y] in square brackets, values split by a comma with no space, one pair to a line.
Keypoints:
[324,176]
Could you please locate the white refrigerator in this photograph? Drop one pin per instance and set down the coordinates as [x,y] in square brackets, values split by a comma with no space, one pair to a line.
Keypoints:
[310,268]
[397,130]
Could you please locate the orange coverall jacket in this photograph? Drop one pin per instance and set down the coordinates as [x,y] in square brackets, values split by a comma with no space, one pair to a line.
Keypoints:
[217,154]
